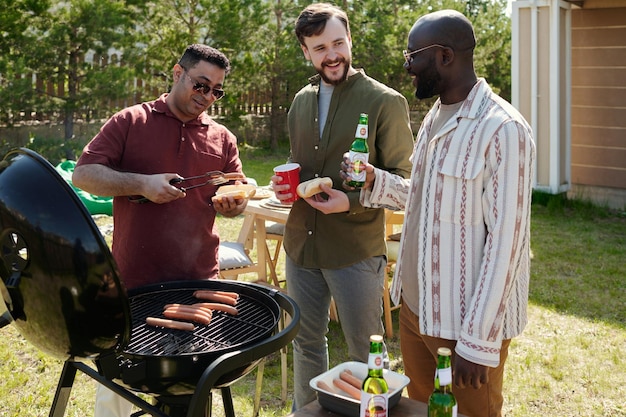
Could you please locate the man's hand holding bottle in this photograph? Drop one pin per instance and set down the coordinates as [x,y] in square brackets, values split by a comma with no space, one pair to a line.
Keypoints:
[346,172]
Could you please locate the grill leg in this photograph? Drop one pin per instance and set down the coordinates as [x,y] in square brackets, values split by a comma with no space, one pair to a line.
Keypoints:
[209,404]
[227,399]
[63,391]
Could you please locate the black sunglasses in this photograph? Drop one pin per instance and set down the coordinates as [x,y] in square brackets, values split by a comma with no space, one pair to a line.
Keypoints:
[205,89]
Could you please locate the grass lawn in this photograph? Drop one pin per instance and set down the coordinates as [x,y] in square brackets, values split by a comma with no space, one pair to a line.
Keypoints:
[570,360]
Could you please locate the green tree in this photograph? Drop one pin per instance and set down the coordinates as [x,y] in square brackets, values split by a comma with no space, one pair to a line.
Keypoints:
[284,68]
[49,38]
[169,26]
[59,40]
[16,92]
[492,55]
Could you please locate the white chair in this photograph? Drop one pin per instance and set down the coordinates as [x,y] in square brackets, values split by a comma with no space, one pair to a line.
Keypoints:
[234,260]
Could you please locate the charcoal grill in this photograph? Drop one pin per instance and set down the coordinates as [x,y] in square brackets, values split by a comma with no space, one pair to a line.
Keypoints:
[62,290]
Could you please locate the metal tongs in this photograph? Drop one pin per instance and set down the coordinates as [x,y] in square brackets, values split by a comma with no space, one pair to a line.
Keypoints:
[211,177]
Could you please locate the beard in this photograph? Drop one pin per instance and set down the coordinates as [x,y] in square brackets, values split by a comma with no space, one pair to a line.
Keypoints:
[346,65]
[427,82]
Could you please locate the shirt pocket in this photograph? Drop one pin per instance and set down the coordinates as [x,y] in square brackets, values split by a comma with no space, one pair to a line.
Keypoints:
[461,189]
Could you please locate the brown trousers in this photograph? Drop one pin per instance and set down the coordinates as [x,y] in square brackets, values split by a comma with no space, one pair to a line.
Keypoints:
[419,354]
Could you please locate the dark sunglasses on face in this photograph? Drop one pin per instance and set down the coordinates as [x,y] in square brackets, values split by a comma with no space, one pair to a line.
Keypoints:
[205,89]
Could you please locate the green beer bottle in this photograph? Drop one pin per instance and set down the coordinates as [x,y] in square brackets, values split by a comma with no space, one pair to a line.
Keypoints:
[359,153]
[442,402]
[374,398]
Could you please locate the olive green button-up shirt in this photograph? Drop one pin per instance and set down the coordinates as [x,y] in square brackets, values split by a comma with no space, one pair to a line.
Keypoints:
[330,241]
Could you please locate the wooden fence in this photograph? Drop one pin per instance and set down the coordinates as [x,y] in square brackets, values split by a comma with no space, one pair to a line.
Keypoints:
[46,89]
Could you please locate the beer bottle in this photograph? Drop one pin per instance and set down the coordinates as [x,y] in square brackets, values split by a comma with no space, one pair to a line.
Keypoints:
[374,391]
[442,402]
[359,153]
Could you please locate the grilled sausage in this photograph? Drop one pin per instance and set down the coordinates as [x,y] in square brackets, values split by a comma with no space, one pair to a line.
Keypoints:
[187,315]
[170,324]
[190,307]
[351,379]
[217,296]
[347,388]
[219,307]
[195,310]
[231,294]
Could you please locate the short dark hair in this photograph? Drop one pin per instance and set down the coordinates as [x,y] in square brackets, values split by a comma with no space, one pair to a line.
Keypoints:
[312,20]
[199,52]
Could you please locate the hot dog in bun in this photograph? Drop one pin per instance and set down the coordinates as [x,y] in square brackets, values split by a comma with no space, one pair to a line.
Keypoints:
[309,188]
[240,191]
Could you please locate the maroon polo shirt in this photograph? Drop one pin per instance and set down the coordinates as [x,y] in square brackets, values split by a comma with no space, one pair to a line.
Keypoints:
[173,241]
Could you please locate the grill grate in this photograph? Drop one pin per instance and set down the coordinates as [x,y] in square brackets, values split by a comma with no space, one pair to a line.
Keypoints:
[224,332]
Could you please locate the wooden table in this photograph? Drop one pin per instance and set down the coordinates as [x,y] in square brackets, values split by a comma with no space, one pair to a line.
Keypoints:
[257,213]
[406,408]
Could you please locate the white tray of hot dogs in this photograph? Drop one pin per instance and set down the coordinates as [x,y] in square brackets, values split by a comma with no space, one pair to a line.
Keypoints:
[334,395]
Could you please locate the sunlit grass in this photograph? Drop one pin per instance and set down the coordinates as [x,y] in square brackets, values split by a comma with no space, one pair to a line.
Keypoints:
[570,360]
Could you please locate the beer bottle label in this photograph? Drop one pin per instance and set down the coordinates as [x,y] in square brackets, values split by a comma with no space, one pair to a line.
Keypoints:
[361,131]
[375,361]
[373,405]
[445,376]
[358,160]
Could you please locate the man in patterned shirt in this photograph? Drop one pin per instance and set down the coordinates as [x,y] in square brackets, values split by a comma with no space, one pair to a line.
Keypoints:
[463,267]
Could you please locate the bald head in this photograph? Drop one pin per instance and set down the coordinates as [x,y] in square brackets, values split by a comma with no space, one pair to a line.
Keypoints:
[441,56]
[444,27]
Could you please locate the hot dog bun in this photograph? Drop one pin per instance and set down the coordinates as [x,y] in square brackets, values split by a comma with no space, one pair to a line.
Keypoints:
[235,191]
[309,188]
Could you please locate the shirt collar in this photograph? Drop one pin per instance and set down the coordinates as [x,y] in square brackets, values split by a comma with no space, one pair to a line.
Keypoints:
[160,106]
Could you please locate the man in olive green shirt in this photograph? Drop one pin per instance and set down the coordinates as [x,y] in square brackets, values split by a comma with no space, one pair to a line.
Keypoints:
[337,251]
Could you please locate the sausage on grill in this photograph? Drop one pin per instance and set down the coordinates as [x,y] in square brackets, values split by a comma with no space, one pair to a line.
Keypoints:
[217,296]
[170,324]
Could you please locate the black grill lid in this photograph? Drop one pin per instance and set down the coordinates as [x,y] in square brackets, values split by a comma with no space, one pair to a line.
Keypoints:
[59,280]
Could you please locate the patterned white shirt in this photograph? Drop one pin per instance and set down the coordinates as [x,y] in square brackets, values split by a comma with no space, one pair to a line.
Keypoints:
[471,257]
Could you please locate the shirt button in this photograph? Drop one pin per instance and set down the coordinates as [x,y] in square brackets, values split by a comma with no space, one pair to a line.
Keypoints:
[310,232]
[317,175]
[182,139]
[316,147]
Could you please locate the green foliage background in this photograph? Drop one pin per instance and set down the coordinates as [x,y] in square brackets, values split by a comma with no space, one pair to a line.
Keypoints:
[134,40]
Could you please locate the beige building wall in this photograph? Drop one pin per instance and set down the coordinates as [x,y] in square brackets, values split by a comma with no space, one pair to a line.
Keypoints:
[599,97]
[569,81]
[540,89]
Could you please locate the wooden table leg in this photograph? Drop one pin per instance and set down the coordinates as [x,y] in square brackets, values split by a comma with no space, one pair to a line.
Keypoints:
[246,234]
[261,248]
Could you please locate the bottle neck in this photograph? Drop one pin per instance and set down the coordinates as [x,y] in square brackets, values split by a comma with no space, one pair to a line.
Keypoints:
[443,377]
[375,360]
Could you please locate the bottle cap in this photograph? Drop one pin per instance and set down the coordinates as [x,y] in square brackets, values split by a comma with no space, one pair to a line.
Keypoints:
[376,338]
[444,351]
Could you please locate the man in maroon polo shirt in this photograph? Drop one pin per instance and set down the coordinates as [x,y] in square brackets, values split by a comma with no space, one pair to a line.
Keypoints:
[138,152]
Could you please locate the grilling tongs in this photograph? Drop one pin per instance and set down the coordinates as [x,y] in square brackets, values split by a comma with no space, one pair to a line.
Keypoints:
[212,177]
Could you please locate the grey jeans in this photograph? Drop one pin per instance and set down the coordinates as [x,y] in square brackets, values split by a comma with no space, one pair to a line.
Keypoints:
[357,291]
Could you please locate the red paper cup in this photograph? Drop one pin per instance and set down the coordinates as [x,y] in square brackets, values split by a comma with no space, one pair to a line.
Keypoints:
[290,174]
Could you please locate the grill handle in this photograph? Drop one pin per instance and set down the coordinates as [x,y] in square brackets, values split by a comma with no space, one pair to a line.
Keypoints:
[232,360]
